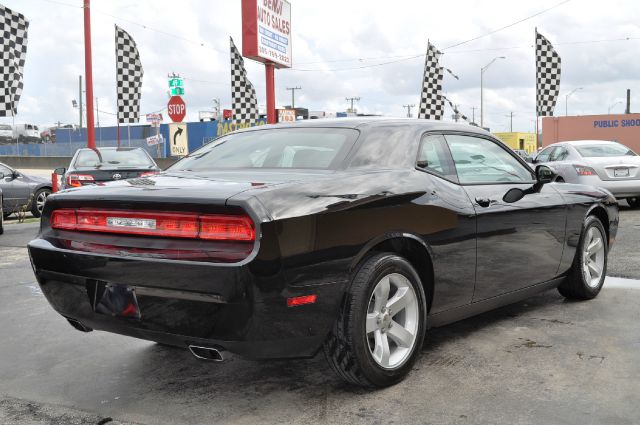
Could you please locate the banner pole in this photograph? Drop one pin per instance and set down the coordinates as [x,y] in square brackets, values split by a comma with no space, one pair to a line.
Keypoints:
[535,60]
[88,71]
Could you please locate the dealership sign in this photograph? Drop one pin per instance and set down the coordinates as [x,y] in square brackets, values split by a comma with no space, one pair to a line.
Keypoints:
[616,123]
[286,115]
[266,31]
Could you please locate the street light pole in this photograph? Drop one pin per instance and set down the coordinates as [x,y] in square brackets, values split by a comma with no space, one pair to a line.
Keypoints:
[482,70]
[566,100]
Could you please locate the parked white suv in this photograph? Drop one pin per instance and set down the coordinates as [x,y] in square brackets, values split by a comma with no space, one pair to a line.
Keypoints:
[26,133]
[6,133]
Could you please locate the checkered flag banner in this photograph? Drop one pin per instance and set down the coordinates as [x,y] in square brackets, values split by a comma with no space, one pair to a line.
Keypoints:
[129,74]
[431,101]
[243,96]
[455,109]
[14,28]
[547,76]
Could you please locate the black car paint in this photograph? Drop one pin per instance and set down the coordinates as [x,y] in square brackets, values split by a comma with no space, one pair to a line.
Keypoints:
[314,227]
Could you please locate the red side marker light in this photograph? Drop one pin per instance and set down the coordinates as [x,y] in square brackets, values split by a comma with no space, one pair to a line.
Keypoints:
[305,299]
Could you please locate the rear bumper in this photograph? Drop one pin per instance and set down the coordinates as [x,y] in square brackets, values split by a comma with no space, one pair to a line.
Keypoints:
[619,188]
[241,309]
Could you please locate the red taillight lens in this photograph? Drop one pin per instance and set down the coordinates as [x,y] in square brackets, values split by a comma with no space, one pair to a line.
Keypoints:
[148,173]
[305,299]
[584,171]
[161,224]
[76,180]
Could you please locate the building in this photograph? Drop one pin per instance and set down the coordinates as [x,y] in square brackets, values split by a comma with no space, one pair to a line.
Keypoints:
[622,128]
[517,140]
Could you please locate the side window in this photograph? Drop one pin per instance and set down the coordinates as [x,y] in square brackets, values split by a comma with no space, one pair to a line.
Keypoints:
[479,160]
[5,170]
[434,156]
[544,154]
[559,154]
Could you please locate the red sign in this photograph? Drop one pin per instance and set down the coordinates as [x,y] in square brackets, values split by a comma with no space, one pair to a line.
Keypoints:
[227,113]
[176,108]
[266,31]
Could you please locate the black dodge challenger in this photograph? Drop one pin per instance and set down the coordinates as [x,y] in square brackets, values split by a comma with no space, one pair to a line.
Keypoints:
[348,236]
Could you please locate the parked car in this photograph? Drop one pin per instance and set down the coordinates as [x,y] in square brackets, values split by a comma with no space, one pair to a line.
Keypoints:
[22,190]
[523,154]
[598,163]
[95,166]
[27,133]
[348,236]
[6,134]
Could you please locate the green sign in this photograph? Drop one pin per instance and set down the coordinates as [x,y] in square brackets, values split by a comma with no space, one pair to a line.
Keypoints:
[176,82]
[177,91]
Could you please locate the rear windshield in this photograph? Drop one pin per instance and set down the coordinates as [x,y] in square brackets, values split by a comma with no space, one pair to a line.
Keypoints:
[120,158]
[317,148]
[604,150]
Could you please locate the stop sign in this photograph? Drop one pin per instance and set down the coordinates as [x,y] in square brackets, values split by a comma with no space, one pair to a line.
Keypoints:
[176,108]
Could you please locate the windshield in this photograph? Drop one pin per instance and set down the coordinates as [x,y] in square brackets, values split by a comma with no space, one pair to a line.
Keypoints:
[315,148]
[120,158]
[604,150]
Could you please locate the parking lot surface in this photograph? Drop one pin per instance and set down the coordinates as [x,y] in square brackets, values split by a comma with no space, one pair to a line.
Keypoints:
[544,360]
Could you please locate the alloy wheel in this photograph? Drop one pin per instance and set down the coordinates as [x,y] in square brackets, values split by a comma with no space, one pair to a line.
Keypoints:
[593,256]
[392,321]
[40,200]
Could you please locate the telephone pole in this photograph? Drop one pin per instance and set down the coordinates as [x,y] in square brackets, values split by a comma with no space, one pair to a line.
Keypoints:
[293,95]
[80,98]
[408,109]
[510,121]
[352,99]
[473,114]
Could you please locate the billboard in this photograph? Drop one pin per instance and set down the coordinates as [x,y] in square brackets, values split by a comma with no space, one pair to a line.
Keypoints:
[266,31]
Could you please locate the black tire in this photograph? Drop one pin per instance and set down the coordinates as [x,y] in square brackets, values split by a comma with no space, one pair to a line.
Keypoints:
[575,286]
[634,202]
[347,347]
[34,202]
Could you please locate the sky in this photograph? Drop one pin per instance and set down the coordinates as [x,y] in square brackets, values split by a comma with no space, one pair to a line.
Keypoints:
[372,49]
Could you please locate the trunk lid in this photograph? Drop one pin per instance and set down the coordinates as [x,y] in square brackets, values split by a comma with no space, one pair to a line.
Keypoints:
[616,167]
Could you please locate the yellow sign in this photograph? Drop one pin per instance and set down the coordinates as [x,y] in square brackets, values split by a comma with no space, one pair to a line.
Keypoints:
[178,139]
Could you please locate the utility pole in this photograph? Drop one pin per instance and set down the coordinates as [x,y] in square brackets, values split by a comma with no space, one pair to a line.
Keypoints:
[80,98]
[456,114]
[97,112]
[216,107]
[352,99]
[293,95]
[473,114]
[510,121]
[408,109]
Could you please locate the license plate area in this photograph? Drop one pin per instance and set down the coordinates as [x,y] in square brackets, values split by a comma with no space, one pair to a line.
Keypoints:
[113,299]
[621,172]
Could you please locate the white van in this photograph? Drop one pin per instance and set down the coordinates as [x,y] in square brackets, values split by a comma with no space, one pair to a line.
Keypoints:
[26,133]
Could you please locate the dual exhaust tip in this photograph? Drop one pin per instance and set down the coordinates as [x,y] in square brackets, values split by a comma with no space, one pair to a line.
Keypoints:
[208,353]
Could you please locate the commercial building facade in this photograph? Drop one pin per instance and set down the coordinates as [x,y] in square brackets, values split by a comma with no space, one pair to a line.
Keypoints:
[622,128]
[518,140]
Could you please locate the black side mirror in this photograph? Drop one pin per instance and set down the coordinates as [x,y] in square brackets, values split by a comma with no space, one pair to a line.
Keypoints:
[513,195]
[544,174]
[60,171]
[15,175]
[529,160]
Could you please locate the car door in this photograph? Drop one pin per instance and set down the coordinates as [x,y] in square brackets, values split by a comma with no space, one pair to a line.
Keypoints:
[15,190]
[518,244]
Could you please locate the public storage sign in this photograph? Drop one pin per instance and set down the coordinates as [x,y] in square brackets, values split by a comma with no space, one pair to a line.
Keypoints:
[266,31]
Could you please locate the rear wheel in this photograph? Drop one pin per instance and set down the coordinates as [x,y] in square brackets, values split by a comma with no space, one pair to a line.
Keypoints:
[634,202]
[590,264]
[39,198]
[380,329]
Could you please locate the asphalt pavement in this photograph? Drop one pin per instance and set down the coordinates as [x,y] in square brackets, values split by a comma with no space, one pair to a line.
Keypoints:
[544,360]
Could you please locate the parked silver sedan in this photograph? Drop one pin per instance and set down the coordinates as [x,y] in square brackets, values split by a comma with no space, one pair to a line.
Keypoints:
[600,163]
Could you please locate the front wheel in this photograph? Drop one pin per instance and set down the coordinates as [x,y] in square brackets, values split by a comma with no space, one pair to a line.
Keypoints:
[634,202]
[380,328]
[39,198]
[589,268]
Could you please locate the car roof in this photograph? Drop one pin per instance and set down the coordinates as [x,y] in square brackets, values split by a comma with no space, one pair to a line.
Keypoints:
[373,122]
[111,149]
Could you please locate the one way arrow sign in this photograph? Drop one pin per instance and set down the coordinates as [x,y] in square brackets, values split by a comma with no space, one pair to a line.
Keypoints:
[179,139]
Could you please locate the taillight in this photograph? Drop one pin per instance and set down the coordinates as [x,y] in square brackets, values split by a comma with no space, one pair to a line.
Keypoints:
[161,224]
[148,173]
[76,180]
[584,171]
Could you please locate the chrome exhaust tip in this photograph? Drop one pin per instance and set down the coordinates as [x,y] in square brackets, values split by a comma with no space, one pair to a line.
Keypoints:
[208,353]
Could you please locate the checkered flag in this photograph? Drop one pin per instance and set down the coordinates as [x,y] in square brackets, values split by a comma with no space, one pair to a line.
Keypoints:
[547,76]
[243,96]
[13,48]
[129,74]
[431,101]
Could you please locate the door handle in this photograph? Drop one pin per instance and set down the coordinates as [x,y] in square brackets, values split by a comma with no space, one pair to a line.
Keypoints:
[483,202]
